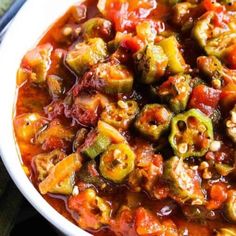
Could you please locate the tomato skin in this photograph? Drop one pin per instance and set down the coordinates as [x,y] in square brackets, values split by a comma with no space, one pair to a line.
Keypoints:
[146,223]
[204,98]
[218,195]
[230,57]
[131,43]
[228,96]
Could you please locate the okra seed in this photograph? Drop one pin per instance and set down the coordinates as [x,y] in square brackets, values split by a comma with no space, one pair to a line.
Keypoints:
[216,83]
[206,174]
[215,146]
[203,165]
[67,31]
[75,191]
[116,153]
[183,147]
[122,105]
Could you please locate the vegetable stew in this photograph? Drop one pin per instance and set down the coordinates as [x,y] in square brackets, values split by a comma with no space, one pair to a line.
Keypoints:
[126,117]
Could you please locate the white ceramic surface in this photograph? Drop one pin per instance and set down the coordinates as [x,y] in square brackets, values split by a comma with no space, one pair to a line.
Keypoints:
[26,29]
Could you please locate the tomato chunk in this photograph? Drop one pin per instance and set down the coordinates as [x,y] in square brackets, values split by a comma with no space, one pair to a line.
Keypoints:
[205,99]
[228,96]
[146,223]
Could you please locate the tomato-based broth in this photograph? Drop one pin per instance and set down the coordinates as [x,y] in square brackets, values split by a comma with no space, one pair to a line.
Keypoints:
[126,117]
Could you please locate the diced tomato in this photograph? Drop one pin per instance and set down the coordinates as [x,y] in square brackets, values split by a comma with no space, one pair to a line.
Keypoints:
[131,43]
[230,57]
[146,223]
[204,98]
[212,5]
[220,17]
[228,96]
[170,228]
[52,143]
[218,195]
[126,14]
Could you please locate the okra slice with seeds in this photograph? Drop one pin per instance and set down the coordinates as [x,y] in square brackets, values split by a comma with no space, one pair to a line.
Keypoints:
[120,114]
[115,78]
[86,54]
[176,91]
[117,162]
[151,63]
[191,133]
[226,232]
[184,183]
[153,121]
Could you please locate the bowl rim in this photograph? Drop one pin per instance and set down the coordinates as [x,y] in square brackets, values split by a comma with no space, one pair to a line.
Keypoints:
[16,42]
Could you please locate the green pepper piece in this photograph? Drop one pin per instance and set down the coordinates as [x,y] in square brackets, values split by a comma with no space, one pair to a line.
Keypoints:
[191,133]
[151,63]
[97,28]
[230,206]
[226,232]
[115,78]
[86,54]
[117,162]
[153,121]
[120,114]
[176,63]
[184,183]
[176,91]
[95,144]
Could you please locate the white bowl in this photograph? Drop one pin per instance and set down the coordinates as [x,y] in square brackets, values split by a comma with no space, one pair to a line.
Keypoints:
[23,34]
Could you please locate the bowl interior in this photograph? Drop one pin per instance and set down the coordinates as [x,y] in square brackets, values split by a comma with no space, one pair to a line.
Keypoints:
[29,25]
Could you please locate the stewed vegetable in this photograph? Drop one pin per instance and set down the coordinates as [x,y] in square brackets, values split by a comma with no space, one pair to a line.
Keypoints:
[121,114]
[86,54]
[125,117]
[176,91]
[153,121]
[117,162]
[191,133]
[184,183]
[151,63]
